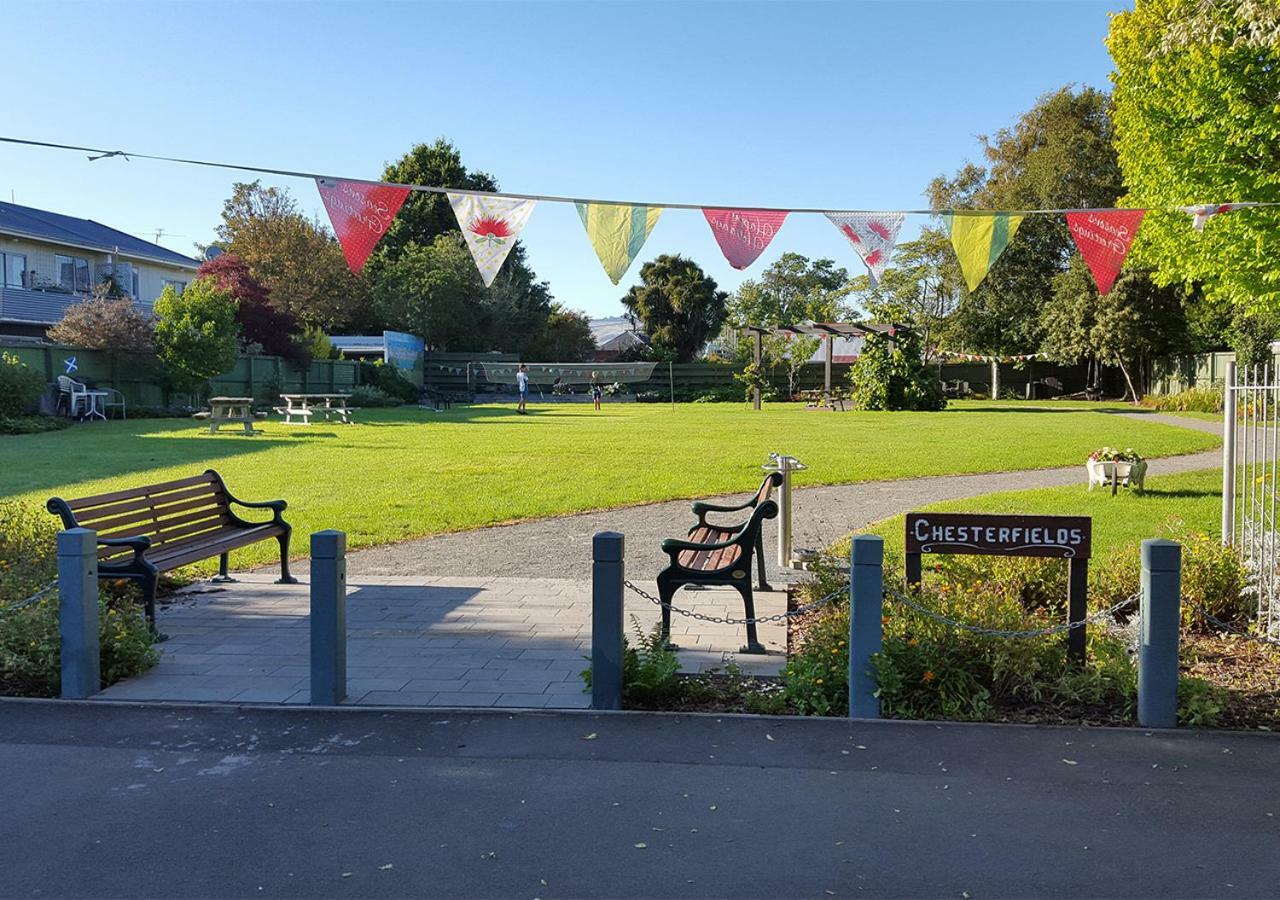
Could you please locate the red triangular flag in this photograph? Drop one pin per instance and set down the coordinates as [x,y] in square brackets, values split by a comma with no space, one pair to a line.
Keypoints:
[361,213]
[1103,237]
[743,233]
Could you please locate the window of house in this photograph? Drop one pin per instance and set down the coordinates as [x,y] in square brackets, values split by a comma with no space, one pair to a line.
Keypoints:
[83,277]
[134,281]
[178,286]
[14,265]
[73,272]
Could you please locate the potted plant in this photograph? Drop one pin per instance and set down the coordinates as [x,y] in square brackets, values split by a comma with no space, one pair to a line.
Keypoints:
[1116,467]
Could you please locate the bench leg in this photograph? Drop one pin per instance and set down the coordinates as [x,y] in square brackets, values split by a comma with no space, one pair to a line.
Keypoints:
[285,577]
[753,644]
[149,582]
[764,584]
[666,591]
[223,564]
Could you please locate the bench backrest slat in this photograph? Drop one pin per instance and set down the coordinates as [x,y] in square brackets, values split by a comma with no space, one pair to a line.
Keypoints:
[166,513]
[145,490]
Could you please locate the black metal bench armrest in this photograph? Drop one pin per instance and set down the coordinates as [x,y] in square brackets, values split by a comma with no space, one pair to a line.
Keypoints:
[701,508]
[138,544]
[276,506]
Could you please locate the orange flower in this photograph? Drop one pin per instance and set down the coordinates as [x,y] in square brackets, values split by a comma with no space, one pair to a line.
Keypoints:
[928,676]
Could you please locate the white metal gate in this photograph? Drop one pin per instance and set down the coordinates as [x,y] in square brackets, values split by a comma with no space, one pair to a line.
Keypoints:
[1250,430]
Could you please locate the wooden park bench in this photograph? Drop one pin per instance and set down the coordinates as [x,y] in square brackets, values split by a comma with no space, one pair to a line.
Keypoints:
[723,558]
[156,528]
[708,533]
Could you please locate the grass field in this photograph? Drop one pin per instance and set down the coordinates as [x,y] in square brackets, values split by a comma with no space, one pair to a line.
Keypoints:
[1193,499]
[407,472]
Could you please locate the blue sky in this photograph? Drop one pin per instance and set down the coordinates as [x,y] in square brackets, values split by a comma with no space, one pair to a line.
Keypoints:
[840,105]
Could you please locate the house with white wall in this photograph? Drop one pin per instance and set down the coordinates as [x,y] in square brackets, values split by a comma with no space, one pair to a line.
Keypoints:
[49,261]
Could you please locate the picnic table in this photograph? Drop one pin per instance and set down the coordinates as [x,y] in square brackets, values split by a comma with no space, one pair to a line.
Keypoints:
[304,406]
[231,411]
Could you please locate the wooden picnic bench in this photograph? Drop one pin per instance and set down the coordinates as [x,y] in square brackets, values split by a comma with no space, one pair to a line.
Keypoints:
[156,528]
[304,406]
[722,558]
[231,411]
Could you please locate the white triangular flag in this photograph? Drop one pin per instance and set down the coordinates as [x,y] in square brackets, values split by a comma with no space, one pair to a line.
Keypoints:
[490,226]
[872,235]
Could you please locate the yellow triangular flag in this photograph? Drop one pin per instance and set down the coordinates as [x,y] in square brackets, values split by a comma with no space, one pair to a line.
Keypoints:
[617,232]
[979,239]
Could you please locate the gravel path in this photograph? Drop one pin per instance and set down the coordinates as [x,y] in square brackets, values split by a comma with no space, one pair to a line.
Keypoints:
[561,547]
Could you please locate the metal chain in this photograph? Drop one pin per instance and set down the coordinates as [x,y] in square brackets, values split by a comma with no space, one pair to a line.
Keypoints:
[34,598]
[902,598]
[1231,629]
[725,620]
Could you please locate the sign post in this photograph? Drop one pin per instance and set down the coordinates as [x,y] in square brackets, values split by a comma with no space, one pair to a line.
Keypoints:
[1052,537]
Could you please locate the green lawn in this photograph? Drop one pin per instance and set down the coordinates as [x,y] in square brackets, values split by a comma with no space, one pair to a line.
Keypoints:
[1191,498]
[407,472]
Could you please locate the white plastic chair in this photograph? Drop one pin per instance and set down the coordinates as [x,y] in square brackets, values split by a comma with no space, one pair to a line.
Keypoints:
[76,393]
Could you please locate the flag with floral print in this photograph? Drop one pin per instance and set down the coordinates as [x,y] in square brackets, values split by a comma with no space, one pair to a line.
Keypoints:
[490,226]
[361,213]
[872,235]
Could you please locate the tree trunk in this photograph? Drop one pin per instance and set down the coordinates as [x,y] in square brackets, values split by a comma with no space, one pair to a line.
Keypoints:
[1127,380]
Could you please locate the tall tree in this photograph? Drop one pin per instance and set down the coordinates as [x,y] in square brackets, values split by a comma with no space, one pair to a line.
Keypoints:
[922,289]
[567,337]
[430,291]
[791,290]
[515,309]
[1197,121]
[196,332]
[678,305]
[296,258]
[1058,154]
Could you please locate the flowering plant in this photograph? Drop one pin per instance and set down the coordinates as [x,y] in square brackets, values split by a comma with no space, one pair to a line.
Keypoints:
[1111,454]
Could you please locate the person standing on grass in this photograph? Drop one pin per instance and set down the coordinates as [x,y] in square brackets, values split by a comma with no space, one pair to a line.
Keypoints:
[522,387]
[597,390]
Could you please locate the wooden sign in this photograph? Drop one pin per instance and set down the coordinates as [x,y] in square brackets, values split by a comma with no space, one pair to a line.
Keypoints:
[1061,537]
[1054,537]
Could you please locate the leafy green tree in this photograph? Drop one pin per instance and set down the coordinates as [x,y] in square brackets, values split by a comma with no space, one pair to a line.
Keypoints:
[1136,322]
[897,378]
[679,306]
[923,289]
[431,291]
[566,338]
[513,312]
[792,290]
[1058,154]
[1197,121]
[297,259]
[196,332]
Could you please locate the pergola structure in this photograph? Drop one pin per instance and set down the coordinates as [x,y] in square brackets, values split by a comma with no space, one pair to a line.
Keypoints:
[828,331]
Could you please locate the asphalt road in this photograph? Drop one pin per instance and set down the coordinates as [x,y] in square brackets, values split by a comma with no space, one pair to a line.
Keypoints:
[104,800]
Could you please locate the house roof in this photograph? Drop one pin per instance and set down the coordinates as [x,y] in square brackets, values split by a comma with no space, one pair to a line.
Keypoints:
[86,234]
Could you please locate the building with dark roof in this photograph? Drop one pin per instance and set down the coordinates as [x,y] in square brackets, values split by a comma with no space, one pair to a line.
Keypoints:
[50,261]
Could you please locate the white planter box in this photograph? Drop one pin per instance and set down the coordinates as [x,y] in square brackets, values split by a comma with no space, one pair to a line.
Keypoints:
[1101,473]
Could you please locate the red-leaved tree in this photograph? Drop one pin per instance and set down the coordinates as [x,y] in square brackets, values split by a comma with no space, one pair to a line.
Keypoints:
[274,329]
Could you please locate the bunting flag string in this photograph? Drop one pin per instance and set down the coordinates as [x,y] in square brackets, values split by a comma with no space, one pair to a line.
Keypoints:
[872,235]
[617,233]
[490,226]
[362,210]
[982,358]
[743,234]
[360,213]
[1103,239]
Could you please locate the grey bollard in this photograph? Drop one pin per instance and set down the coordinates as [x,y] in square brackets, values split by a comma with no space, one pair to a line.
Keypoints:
[1158,647]
[328,618]
[866,625]
[607,576]
[78,613]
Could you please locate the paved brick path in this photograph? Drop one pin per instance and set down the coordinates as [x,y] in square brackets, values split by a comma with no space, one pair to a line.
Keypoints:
[420,641]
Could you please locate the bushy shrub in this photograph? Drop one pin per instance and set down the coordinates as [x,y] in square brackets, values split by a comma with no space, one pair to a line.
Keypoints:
[196,332]
[29,638]
[386,379]
[366,396]
[34,424]
[650,670]
[1200,399]
[106,323]
[897,379]
[20,386]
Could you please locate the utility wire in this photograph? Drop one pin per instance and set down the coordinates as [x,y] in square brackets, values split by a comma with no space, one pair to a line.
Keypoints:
[97,153]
